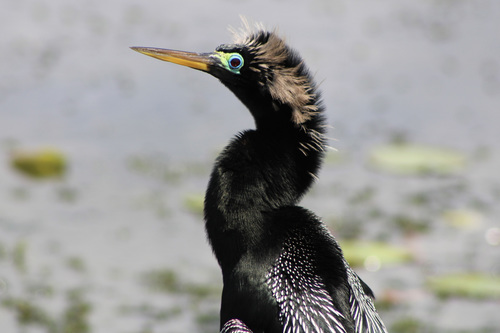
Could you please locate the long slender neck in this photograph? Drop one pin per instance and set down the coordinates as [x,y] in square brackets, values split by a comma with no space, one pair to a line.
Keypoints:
[259,171]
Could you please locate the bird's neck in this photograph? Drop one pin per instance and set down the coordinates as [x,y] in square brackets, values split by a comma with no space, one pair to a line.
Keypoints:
[259,171]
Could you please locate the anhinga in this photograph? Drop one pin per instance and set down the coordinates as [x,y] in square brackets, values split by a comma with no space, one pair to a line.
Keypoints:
[282,270]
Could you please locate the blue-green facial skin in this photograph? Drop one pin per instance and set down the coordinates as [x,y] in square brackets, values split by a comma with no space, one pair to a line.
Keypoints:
[225,59]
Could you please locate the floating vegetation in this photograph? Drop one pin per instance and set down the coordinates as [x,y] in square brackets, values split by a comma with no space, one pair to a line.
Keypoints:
[210,319]
[362,196]
[195,203]
[411,225]
[162,280]
[156,202]
[40,289]
[3,286]
[462,218]
[372,255]
[469,285]
[19,255]
[156,167]
[149,311]
[75,317]
[29,314]
[201,290]
[76,264]
[29,306]
[3,251]
[347,227]
[412,159]
[167,281]
[419,199]
[73,320]
[67,194]
[41,163]
[407,325]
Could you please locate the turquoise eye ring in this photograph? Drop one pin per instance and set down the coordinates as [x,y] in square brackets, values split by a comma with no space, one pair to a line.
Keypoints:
[235,61]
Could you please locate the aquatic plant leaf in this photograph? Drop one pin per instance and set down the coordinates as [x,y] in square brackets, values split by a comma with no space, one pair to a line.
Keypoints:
[411,159]
[42,163]
[362,253]
[195,203]
[469,285]
[462,218]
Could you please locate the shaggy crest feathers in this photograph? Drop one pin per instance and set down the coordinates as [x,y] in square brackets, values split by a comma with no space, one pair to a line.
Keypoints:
[286,77]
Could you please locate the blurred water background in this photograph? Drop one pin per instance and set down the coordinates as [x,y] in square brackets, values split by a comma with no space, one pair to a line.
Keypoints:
[117,244]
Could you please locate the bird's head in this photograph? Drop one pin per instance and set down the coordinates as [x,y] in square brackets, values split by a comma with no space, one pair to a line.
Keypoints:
[261,70]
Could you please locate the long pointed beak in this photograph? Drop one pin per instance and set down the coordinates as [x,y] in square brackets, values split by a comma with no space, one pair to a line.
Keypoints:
[200,61]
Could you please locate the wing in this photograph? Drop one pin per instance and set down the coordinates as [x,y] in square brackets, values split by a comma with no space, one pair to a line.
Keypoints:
[363,310]
[304,302]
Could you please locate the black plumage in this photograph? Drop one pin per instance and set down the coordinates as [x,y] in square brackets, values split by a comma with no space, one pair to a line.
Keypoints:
[282,269]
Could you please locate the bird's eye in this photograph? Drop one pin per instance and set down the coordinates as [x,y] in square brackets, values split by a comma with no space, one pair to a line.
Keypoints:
[235,61]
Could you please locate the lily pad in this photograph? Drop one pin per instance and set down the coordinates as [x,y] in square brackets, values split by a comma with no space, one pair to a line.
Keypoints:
[195,203]
[412,159]
[469,285]
[42,163]
[372,255]
[162,280]
[462,218]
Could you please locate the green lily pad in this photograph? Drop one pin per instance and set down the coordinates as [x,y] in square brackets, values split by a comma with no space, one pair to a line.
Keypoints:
[470,285]
[162,280]
[372,255]
[411,159]
[195,203]
[462,218]
[42,163]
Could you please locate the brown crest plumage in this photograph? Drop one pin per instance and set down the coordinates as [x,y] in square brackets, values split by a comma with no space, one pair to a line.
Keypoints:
[287,82]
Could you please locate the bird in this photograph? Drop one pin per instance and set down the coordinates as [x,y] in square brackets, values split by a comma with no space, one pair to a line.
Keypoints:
[282,269]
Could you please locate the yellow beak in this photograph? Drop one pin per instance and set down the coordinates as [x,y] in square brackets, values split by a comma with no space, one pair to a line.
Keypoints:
[200,61]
